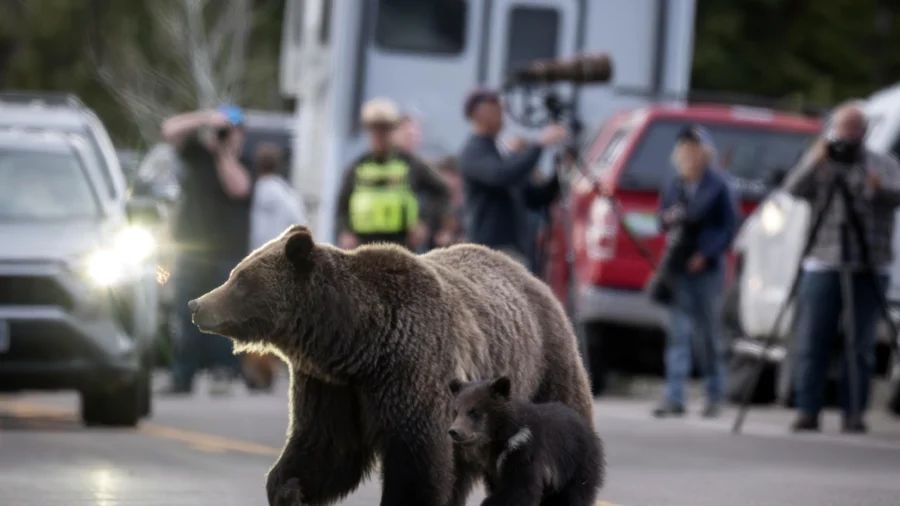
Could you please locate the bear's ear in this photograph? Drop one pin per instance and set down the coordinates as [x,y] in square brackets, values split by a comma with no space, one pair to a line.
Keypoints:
[298,247]
[455,386]
[296,228]
[501,387]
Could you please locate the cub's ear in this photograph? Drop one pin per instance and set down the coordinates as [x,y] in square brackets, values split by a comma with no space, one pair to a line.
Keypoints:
[455,386]
[298,247]
[501,387]
[297,228]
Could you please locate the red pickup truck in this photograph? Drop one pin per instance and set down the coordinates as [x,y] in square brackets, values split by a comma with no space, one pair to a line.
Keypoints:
[630,158]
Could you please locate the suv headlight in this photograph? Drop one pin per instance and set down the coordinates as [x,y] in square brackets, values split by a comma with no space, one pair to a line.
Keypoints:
[771,218]
[122,260]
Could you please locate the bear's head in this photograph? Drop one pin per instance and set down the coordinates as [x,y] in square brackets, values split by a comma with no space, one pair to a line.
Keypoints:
[276,297]
[478,408]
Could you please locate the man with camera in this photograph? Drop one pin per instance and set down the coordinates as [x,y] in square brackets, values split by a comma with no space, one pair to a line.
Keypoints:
[873,181]
[211,229]
[497,187]
[699,208]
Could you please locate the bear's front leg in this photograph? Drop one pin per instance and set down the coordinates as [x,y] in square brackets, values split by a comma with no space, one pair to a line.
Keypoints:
[326,455]
[417,467]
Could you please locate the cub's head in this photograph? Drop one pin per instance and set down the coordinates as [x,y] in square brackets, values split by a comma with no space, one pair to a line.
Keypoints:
[477,407]
[274,296]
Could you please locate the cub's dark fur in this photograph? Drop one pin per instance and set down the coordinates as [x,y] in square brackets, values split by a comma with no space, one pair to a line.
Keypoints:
[544,454]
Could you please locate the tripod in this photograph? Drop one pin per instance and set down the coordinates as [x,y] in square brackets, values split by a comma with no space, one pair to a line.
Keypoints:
[850,223]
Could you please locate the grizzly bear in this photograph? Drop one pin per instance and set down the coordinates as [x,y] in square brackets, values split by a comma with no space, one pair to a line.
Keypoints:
[372,337]
[543,454]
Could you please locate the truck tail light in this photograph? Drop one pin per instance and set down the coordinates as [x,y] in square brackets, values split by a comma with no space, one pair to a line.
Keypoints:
[602,228]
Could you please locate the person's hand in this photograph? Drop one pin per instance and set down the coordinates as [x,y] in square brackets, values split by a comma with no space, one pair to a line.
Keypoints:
[443,238]
[348,240]
[673,214]
[516,144]
[553,135]
[216,120]
[696,263]
[418,235]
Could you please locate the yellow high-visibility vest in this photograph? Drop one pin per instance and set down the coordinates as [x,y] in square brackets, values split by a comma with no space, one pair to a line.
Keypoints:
[382,201]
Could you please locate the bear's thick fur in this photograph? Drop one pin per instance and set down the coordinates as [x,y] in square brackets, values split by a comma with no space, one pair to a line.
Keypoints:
[373,336]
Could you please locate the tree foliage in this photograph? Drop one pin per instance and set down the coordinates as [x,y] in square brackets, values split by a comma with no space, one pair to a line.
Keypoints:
[820,51]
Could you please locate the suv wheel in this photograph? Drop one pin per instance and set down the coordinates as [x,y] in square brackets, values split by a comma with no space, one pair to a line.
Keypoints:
[145,390]
[118,407]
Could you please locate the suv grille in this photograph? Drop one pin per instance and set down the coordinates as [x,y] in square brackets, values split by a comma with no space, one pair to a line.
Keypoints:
[33,291]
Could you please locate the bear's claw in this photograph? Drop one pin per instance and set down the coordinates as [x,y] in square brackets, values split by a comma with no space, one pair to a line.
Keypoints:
[289,494]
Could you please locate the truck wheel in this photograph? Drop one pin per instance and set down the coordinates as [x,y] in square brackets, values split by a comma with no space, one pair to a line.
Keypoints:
[117,407]
[145,388]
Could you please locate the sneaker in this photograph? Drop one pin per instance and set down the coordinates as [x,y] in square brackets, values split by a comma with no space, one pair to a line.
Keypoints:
[805,423]
[221,384]
[854,425]
[667,409]
[711,410]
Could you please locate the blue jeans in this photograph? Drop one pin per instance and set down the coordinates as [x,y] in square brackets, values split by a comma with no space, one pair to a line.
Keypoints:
[196,275]
[694,325]
[819,307]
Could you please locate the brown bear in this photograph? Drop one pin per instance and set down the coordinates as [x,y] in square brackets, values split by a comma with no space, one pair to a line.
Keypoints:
[372,337]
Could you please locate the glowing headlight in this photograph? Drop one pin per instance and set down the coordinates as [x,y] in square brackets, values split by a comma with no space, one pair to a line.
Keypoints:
[135,244]
[105,267]
[772,218]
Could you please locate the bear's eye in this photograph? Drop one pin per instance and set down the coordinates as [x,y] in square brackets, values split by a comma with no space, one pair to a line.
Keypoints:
[474,413]
[455,413]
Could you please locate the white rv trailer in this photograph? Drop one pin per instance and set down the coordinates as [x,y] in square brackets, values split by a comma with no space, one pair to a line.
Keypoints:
[427,54]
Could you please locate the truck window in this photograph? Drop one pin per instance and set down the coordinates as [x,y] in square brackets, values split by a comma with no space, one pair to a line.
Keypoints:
[750,153]
[532,34]
[422,26]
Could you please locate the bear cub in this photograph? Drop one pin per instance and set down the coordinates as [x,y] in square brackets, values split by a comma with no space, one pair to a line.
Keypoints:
[534,454]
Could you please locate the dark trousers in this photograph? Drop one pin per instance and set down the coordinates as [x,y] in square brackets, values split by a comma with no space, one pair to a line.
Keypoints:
[819,307]
[196,275]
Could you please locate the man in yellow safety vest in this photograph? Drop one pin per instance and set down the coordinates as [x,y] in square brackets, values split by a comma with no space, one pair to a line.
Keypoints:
[378,201]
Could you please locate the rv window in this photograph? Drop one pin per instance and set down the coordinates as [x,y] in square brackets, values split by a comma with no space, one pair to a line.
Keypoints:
[422,26]
[748,153]
[532,34]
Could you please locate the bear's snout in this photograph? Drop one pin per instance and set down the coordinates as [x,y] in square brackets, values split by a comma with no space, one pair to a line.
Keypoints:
[193,306]
[453,433]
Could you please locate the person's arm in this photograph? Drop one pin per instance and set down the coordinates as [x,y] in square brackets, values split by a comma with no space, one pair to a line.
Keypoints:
[540,195]
[177,129]
[484,165]
[725,229]
[233,176]
[424,180]
[801,180]
[886,174]
[343,204]
[666,195]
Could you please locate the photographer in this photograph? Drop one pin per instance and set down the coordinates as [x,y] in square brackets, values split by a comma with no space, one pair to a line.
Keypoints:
[699,205]
[212,230]
[874,182]
[497,186]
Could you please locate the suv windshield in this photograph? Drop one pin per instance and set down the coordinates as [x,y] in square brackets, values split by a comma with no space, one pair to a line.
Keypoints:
[44,185]
[748,153]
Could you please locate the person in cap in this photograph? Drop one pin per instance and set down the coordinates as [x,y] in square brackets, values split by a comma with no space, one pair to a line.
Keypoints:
[496,183]
[212,232]
[699,201]
[378,200]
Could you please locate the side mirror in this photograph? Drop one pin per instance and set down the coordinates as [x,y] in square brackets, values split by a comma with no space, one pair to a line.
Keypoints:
[776,177]
[144,210]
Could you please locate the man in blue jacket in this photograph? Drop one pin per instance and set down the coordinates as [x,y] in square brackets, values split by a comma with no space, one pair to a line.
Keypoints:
[699,200]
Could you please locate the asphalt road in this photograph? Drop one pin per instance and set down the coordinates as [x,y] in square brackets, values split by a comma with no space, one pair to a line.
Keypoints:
[211,451]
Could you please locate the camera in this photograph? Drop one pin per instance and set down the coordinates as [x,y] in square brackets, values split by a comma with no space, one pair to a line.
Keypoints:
[844,150]
[222,133]
[679,246]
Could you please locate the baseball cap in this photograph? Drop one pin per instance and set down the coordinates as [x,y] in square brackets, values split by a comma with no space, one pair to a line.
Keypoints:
[477,97]
[234,114]
[698,134]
